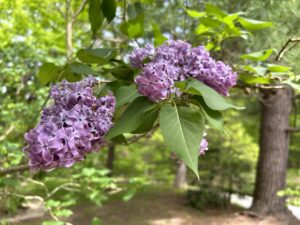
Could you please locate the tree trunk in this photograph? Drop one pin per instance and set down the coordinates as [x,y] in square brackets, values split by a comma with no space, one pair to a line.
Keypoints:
[273,155]
[110,159]
[181,176]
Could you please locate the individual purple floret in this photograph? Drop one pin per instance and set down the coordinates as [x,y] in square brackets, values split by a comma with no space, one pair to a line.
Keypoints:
[203,146]
[184,62]
[72,127]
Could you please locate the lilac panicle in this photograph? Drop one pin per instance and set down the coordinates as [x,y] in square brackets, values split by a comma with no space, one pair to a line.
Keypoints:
[216,74]
[70,128]
[181,61]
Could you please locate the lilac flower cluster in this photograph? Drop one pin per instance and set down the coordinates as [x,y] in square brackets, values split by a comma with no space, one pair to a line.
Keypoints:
[177,61]
[72,127]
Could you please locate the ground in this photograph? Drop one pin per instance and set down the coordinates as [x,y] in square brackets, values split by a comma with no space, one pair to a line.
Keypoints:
[160,208]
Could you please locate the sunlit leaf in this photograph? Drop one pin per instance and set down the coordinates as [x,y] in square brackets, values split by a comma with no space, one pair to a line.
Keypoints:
[158,37]
[133,28]
[214,10]
[252,25]
[293,84]
[195,14]
[53,223]
[278,68]
[252,79]
[258,56]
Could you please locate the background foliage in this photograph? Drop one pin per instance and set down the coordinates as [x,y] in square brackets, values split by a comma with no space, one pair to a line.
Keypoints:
[34,32]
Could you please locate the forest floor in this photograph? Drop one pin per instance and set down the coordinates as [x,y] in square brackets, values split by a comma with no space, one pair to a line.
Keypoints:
[161,208]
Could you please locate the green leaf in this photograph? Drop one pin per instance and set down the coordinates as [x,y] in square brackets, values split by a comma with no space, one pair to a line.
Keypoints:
[79,68]
[53,223]
[129,194]
[294,85]
[123,73]
[214,117]
[125,94]
[182,129]
[252,25]
[95,15]
[132,117]
[258,56]
[134,9]
[96,221]
[201,29]
[214,10]
[133,28]
[209,23]
[278,68]
[148,121]
[98,55]
[114,85]
[109,9]
[194,13]
[252,79]
[89,172]
[48,73]
[69,75]
[53,203]
[63,212]
[120,139]
[212,98]
[257,70]
[158,37]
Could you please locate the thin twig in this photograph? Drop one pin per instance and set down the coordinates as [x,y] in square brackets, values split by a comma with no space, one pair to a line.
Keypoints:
[293,129]
[59,10]
[41,184]
[138,137]
[15,169]
[63,186]
[7,132]
[260,86]
[78,11]
[286,47]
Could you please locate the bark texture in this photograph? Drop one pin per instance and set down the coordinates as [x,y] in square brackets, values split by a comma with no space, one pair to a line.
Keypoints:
[110,159]
[181,176]
[273,155]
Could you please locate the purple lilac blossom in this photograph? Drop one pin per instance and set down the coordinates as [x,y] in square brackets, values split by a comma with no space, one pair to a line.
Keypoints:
[203,146]
[157,80]
[140,54]
[74,126]
[181,62]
